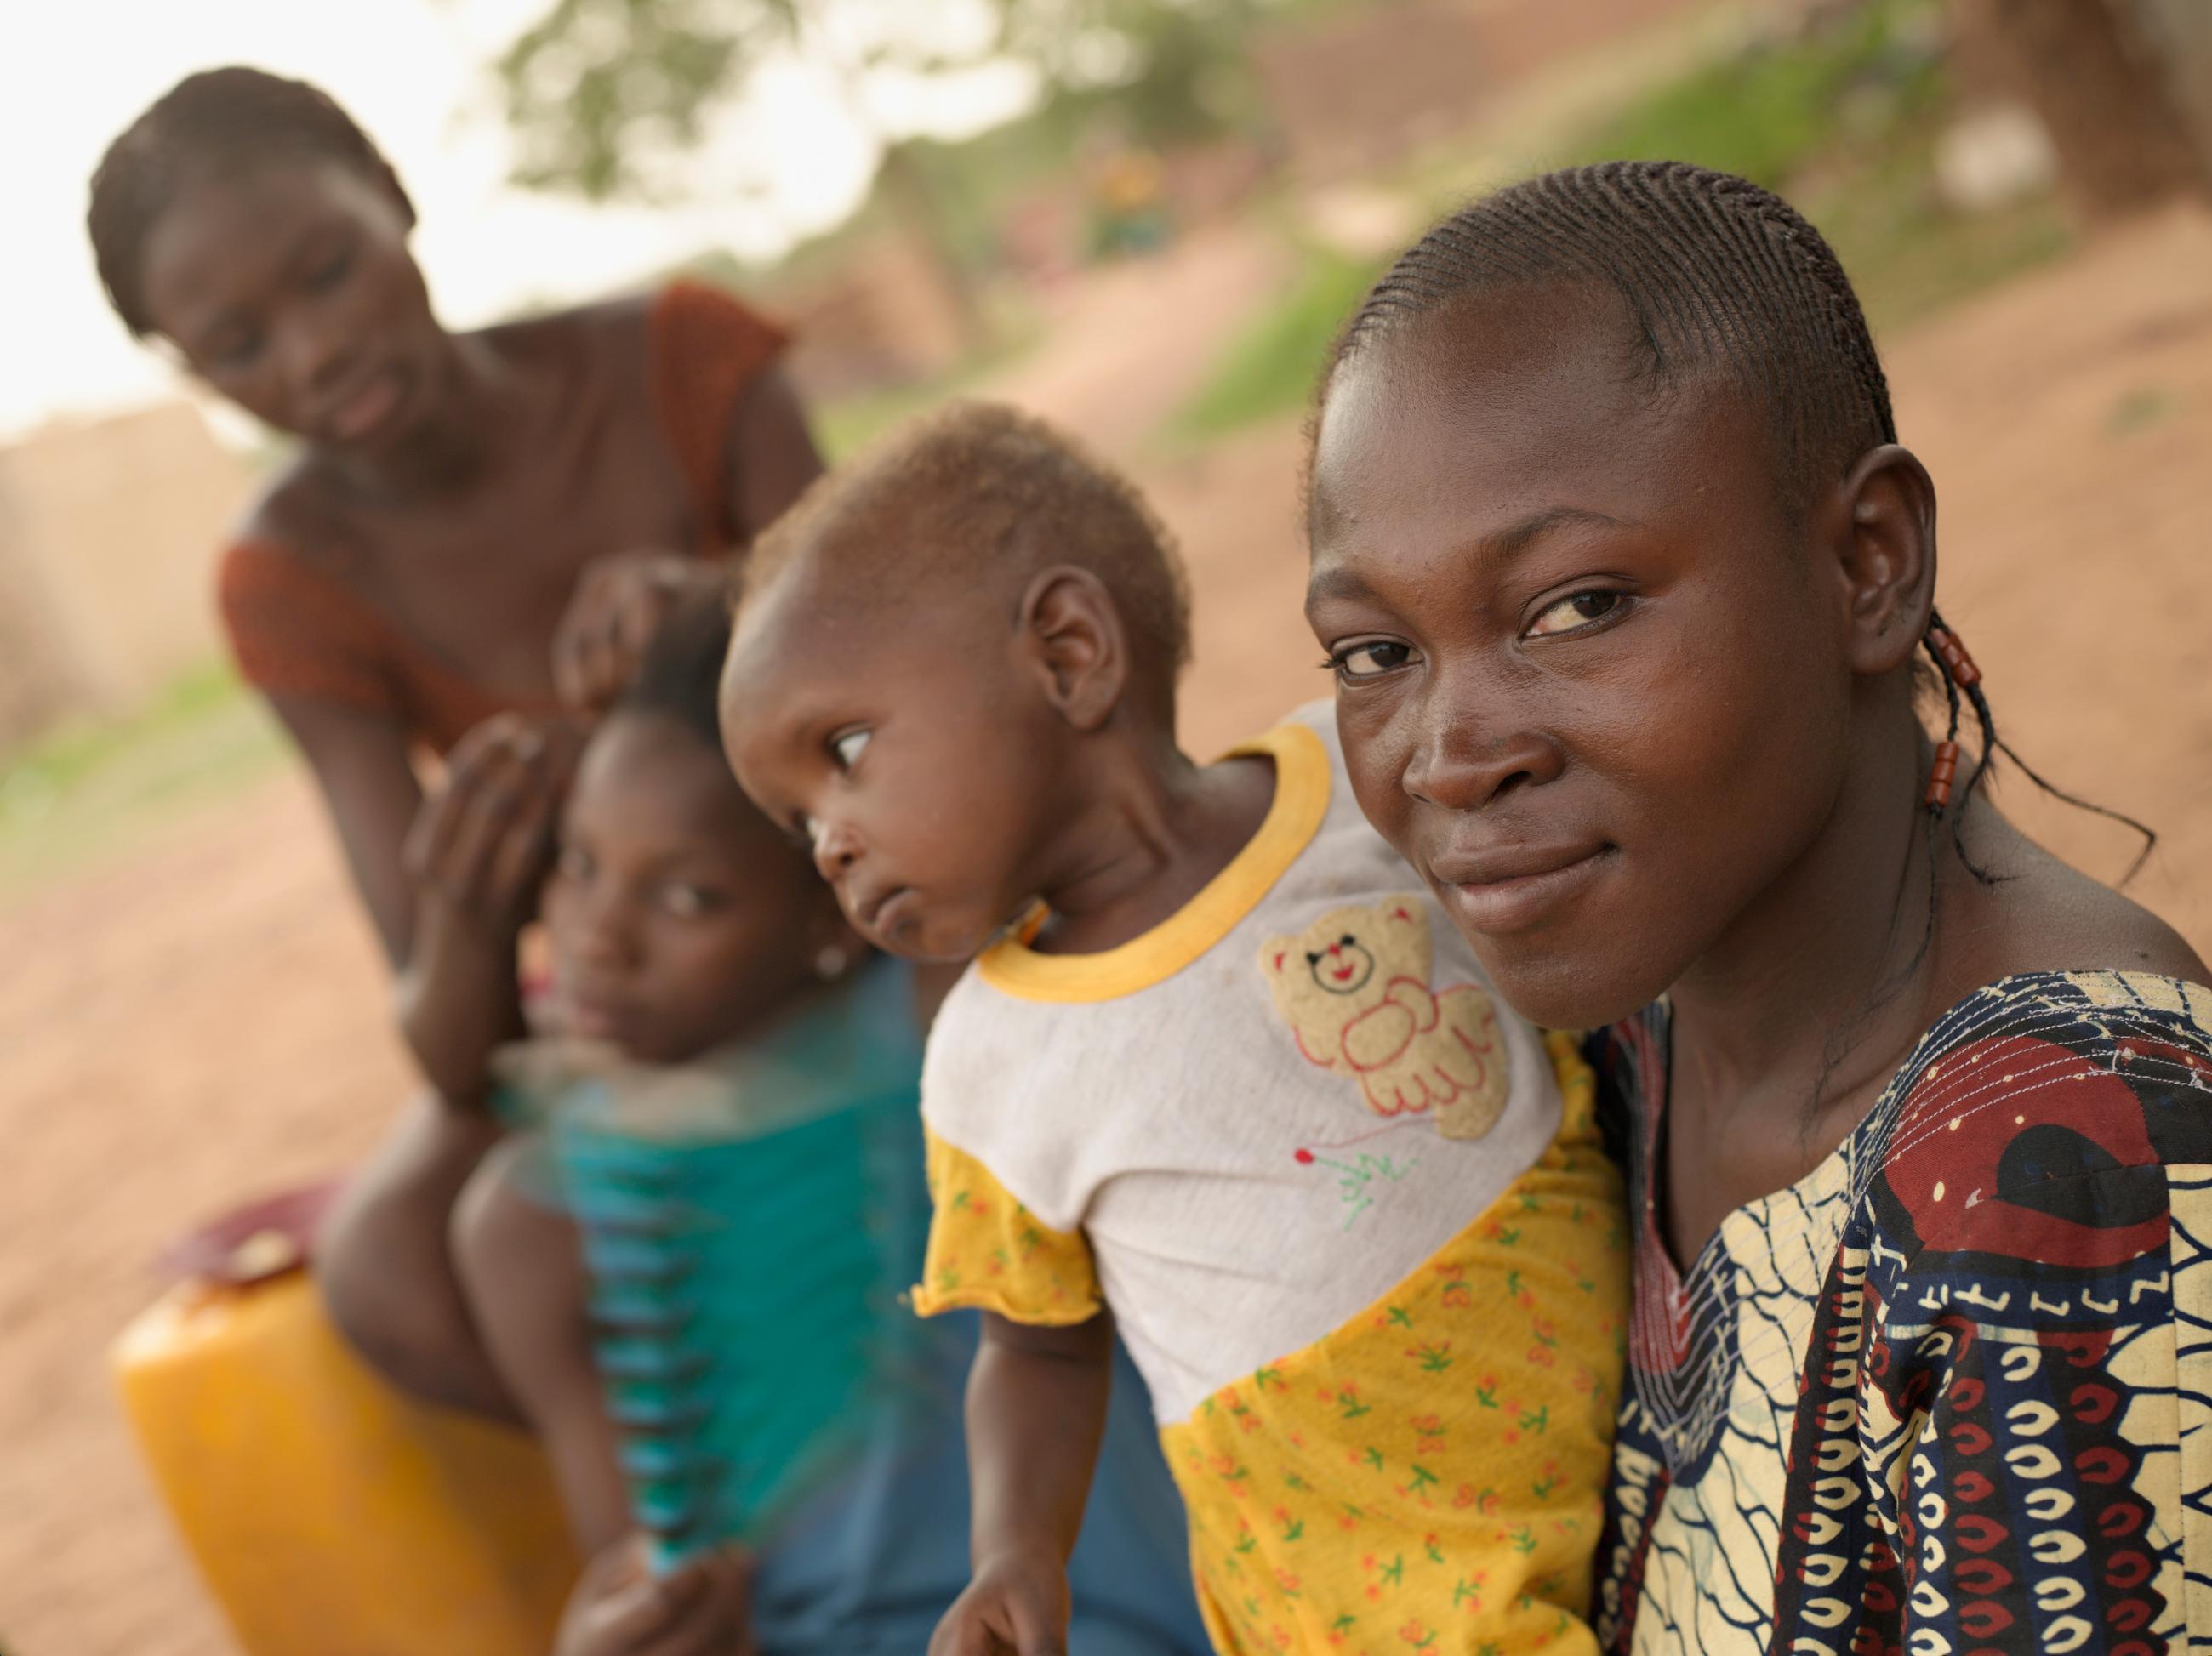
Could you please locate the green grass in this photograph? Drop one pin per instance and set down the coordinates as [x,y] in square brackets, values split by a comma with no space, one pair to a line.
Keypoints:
[96,787]
[1769,110]
[1842,121]
[1271,365]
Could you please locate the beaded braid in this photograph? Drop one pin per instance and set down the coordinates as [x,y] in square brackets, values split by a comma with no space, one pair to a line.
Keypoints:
[218,118]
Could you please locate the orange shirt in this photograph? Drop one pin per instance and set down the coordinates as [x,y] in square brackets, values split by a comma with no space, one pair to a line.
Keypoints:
[297,631]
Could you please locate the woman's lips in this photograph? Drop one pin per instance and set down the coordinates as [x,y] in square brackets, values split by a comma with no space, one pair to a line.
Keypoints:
[361,413]
[1498,893]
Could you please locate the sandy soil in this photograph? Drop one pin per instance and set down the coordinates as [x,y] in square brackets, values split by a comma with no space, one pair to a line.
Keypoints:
[207,1022]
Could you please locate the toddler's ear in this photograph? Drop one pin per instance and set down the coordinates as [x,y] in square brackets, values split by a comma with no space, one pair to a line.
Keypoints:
[1080,650]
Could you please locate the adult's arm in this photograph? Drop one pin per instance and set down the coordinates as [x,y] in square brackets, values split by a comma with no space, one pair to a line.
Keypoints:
[361,764]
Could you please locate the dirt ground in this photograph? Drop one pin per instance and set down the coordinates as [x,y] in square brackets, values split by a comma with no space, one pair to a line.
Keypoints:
[206,1022]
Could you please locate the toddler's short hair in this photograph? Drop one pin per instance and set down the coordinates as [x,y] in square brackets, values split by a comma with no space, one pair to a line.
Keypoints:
[975,499]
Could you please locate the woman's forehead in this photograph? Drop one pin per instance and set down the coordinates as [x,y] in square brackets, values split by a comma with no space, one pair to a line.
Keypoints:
[229,225]
[1472,426]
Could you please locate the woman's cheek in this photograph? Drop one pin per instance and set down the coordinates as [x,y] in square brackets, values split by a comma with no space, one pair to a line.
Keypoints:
[1375,770]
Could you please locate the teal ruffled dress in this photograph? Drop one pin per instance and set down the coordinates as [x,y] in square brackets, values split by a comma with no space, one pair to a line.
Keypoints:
[750,1223]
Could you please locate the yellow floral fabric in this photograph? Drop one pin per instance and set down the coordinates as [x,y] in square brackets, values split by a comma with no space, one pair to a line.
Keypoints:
[987,1250]
[1425,1477]
[1428,1478]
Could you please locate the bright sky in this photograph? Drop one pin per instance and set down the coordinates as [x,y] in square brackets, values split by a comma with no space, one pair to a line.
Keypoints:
[415,73]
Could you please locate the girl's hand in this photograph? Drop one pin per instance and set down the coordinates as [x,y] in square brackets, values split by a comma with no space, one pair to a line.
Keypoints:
[620,600]
[482,844]
[619,1609]
[1017,1605]
[478,851]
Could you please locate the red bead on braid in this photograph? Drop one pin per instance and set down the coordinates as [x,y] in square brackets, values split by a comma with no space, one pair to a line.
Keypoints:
[1938,797]
[1956,661]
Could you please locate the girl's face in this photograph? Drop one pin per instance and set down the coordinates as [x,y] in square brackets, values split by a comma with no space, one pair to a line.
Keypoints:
[678,916]
[1591,682]
[290,290]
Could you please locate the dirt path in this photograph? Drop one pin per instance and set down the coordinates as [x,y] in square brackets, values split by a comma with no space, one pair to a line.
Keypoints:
[208,1022]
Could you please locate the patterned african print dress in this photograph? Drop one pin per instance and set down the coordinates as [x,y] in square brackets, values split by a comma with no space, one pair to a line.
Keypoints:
[1951,1391]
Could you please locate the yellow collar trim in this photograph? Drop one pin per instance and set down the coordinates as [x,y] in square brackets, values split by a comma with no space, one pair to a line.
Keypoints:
[1294,816]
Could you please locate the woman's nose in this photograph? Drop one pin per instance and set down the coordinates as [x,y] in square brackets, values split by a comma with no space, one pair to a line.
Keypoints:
[317,353]
[1468,754]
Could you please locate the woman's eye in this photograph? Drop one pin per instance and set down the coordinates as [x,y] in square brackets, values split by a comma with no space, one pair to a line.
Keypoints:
[847,746]
[1370,660]
[327,273]
[572,863]
[235,350]
[1579,610]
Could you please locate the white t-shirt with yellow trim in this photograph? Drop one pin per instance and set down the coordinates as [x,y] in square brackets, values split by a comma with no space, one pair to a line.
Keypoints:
[1364,1250]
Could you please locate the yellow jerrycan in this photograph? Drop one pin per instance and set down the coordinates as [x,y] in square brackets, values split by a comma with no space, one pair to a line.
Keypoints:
[329,1514]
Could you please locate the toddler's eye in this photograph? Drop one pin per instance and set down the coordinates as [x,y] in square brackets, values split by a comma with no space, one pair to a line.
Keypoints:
[573,864]
[847,746]
[686,902]
[1578,610]
[1370,660]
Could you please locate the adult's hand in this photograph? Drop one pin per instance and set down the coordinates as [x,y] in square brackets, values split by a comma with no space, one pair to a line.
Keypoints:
[619,1608]
[620,600]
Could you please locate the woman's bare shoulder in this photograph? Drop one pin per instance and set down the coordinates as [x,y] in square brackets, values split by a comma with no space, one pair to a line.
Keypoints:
[2043,914]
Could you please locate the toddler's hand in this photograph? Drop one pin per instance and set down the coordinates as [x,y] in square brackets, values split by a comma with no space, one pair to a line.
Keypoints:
[620,600]
[1017,1605]
[619,1609]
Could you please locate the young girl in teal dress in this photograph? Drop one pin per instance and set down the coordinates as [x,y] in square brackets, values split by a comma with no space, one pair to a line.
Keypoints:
[682,1260]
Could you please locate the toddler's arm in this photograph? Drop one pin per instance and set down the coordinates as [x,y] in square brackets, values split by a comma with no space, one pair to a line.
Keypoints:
[475,857]
[1036,1409]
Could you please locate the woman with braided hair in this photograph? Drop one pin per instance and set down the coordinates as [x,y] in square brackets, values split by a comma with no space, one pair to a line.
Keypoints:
[1630,594]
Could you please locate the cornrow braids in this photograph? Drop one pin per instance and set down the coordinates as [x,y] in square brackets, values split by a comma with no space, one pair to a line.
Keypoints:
[217,119]
[1716,273]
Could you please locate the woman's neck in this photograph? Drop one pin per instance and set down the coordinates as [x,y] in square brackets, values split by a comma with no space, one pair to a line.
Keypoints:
[1815,985]
[470,428]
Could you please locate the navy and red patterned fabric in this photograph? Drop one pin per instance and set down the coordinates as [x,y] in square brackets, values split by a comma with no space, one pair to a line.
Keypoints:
[1952,1391]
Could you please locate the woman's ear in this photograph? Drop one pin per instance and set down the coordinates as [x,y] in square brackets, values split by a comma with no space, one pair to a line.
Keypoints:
[1073,634]
[1881,530]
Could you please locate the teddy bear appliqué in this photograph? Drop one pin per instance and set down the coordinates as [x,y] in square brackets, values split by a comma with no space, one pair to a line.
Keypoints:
[1354,988]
